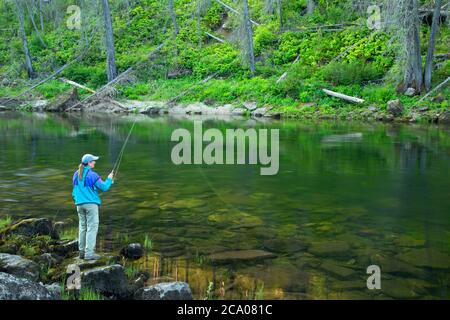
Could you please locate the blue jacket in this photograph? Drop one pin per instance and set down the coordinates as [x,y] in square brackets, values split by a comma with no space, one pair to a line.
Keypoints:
[85,190]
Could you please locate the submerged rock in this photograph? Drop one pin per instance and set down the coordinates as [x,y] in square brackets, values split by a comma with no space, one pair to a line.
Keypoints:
[399,288]
[284,245]
[33,227]
[336,269]
[132,251]
[14,288]
[109,281]
[240,256]
[329,248]
[165,291]
[426,257]
[19,267]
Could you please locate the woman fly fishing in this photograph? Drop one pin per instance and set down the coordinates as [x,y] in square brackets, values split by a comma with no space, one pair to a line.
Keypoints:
[86,183]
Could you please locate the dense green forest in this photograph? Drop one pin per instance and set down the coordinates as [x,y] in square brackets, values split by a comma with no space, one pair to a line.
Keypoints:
[279,53]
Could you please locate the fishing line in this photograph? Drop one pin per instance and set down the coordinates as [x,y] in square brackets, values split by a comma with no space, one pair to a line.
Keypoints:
[122,151]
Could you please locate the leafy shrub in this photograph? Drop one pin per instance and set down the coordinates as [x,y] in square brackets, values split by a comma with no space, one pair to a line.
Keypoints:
[351,73]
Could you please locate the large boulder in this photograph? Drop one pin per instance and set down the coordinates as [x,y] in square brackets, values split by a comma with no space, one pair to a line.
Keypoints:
[165,291]
[395,107]
[33,227]
[109,281]
[64,101]
[14,288]
[19,267]
[132,251]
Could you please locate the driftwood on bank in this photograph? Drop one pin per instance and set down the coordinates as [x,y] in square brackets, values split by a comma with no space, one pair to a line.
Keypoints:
[58,71]
[284,75]
[115,80]
[214,37]
[343,96]
[75,84]
[442,84]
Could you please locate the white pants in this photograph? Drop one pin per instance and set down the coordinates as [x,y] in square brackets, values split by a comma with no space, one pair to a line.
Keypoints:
[88,227]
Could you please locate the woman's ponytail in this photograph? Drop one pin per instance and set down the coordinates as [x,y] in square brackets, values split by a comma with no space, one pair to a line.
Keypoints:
[80,171]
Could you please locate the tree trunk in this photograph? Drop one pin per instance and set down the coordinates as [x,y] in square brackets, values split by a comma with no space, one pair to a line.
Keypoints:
[174,18]
[109,37]
[249,36]
[311,6]
[23,35]
[41,15]
[413,72]
[431,45]
[280,13]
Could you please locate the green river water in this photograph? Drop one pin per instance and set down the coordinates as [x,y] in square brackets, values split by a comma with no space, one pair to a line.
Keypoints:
[347,196]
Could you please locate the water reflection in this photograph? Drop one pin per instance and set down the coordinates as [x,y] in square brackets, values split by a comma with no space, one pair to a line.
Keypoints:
[347,195]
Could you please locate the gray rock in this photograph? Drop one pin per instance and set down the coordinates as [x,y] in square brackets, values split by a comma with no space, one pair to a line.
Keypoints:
[49,260]
[14,288]
[39,105]
[239,111]
[19,267]
[165,291]
[410,92]
[444,117]
[33,227]
[3,108]
[132,251]
[251,106]
[372,109]
[66,247]
[54,289]
[260,112]
[395,107]
[109,281]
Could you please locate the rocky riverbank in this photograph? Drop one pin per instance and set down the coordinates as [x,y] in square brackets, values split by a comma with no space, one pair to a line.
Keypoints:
[35,264]
[70,102]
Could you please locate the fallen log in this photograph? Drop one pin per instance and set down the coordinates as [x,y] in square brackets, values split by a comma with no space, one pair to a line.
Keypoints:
[435,89]
[343,96]
[284,75]
[75,84]
[115,80]
[214,37]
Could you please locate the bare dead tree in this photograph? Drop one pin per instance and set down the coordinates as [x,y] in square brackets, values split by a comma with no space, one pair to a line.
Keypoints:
[310,7]
[280,12]
[174,18]
[111,68]
[431,45]
[23,35]
[248,38]
[41,15]
[403,23]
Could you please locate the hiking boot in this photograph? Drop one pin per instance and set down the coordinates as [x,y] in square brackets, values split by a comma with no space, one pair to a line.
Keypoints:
[93,256]
[81,256]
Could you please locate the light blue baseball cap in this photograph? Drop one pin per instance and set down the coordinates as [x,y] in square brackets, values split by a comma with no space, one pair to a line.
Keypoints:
[88,158]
